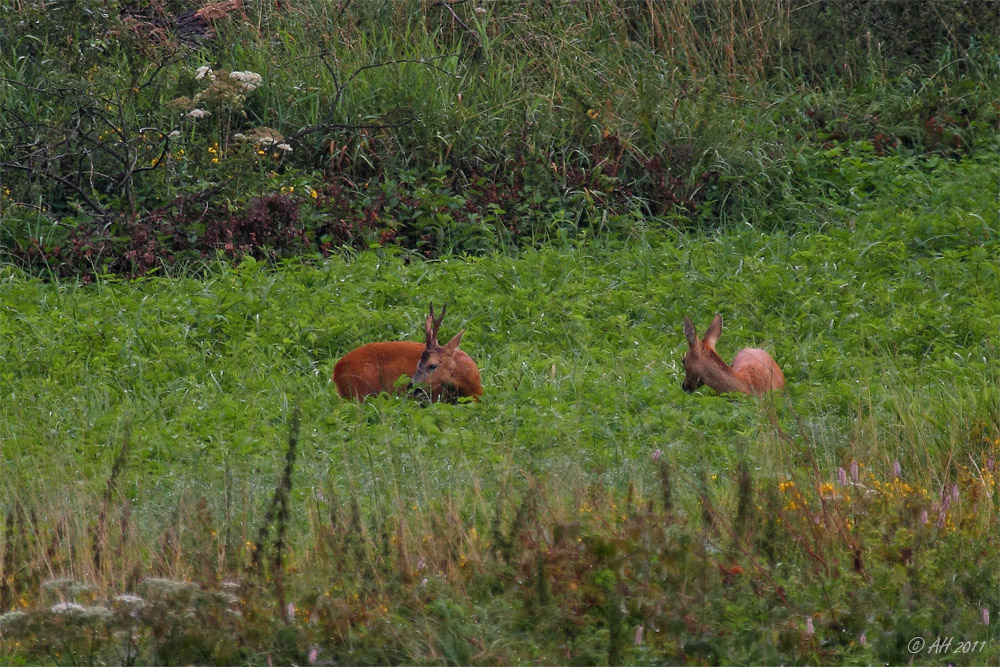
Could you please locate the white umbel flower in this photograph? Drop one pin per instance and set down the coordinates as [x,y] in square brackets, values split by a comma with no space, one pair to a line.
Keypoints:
[249,80]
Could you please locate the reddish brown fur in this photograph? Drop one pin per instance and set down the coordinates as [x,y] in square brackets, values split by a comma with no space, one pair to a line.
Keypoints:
[445,372]
[375,368]
[753,370]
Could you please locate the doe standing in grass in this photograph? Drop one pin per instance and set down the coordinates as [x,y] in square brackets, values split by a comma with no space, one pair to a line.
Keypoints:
[443,372]
[753,370]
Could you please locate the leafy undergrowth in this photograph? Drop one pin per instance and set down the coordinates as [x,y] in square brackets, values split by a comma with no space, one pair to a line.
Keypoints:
[182,485]
[145,136]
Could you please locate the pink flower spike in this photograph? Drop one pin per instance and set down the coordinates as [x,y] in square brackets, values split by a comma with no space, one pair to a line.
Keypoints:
[986,615]
[842,476]
[656,455]
[638,635]
[896,469]
[809,626]
[854,471]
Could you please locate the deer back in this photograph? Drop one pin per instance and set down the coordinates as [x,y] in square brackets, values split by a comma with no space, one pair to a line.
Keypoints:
[758,370]
[376,368]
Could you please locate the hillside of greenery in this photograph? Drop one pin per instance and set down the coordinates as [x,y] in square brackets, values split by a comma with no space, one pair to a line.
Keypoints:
[204,205]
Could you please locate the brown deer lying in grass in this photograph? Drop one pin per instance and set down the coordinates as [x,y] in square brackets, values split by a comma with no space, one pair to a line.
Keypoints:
[753,370]
[443,372]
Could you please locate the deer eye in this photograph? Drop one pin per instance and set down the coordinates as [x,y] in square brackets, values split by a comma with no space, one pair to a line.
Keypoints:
[431,367]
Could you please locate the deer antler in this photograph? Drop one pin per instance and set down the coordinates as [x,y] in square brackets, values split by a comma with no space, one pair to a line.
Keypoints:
[433,324]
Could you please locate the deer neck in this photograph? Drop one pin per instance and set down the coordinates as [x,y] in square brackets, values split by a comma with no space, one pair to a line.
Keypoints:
[720,376]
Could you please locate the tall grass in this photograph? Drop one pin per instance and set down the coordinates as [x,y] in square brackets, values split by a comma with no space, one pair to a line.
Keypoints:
[466,128]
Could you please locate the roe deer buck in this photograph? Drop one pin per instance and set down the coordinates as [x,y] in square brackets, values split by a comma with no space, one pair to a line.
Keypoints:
[443,371]
[753,370]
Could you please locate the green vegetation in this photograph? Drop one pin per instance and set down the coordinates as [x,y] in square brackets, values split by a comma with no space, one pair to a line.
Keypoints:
[144,423]
[179,482]
[457,128]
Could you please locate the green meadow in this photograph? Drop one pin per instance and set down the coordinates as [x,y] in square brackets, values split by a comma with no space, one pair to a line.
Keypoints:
[181,484]
[146,425]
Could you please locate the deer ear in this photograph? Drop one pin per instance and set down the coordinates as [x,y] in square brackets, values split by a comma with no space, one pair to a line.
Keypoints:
[453,344]
[714,331]
[689,332]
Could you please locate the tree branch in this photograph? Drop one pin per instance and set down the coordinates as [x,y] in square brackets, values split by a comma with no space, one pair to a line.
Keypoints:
[91,202]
